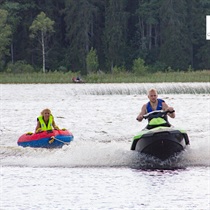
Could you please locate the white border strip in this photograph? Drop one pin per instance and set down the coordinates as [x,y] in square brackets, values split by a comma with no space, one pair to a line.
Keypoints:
[207,27]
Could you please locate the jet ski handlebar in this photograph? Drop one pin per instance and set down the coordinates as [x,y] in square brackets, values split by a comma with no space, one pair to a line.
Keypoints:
[157,113]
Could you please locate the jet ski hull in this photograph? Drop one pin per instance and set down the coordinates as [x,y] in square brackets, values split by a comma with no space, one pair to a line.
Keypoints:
[160,142]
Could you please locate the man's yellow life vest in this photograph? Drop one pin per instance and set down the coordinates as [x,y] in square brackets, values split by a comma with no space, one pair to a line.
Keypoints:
[45,127]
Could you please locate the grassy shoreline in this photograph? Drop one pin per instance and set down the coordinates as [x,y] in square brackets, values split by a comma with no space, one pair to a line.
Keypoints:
[124,77]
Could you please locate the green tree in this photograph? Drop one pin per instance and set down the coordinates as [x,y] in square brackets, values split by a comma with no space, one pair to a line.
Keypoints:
[80,18]
[115,33]
[163,32]
[147,25]
[5,34]
[92,61]
[175,42]
[20,17]
[13,19]
[42,27]
[55,57]
[138,67]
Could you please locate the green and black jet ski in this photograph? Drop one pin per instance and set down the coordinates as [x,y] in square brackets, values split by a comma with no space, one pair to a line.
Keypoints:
[159,138]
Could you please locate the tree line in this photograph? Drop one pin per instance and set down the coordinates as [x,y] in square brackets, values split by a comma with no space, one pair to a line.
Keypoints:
[92,35]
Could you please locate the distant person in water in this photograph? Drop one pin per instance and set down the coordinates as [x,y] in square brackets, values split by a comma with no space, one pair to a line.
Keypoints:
[154,104]
[45,121]
[77,79]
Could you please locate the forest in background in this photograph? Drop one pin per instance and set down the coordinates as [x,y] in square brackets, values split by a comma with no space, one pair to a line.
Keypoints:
[109,35]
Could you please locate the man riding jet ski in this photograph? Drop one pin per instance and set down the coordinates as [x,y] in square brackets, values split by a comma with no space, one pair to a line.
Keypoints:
[159,138]
[154,104]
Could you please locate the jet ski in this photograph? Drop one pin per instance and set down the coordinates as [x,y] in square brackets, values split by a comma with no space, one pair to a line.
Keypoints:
[160,139]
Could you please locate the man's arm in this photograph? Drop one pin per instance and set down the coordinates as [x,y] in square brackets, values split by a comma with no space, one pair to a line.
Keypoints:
[168,108]
[142,113]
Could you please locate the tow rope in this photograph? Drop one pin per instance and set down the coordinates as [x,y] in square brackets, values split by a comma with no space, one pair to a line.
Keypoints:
[52,139]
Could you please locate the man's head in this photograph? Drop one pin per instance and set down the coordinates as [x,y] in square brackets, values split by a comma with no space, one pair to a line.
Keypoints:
[152,95]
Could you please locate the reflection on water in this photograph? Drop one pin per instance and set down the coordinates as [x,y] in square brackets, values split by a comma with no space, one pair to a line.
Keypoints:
[104,188]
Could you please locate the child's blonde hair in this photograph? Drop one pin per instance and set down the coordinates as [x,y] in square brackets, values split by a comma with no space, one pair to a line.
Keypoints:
[44,110]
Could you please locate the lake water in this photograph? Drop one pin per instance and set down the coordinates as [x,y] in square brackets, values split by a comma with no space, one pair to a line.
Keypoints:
[98,170]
